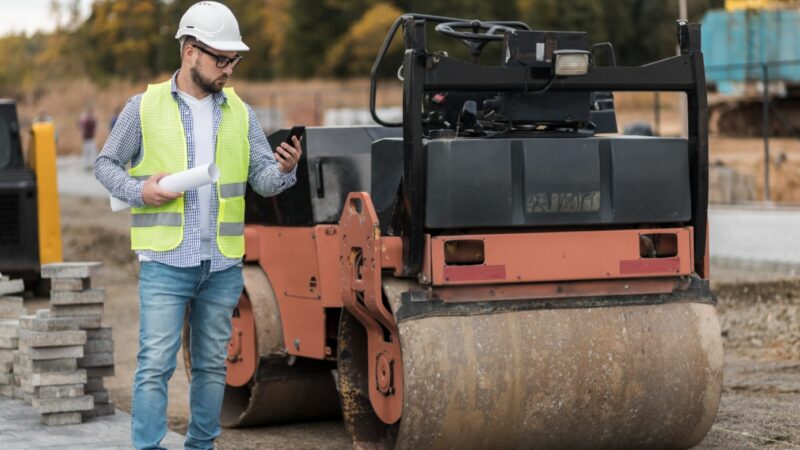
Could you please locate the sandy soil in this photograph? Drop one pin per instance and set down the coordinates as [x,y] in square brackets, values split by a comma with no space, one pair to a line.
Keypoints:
[760,322]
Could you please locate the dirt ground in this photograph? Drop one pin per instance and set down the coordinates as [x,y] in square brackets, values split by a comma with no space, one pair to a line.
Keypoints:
[760,318]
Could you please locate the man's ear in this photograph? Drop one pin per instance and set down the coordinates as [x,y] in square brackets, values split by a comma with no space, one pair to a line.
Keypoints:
[187,50]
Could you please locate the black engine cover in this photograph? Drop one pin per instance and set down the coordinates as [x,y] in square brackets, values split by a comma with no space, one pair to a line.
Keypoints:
[552,181]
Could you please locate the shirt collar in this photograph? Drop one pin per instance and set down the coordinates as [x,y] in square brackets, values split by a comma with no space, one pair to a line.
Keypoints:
[219,97]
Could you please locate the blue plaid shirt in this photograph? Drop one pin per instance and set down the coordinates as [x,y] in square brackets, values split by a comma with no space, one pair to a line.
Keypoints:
[124,145]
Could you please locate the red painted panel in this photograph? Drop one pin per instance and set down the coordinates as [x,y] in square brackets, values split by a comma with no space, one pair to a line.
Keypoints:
[651,265]
[563,256]
[288,255]
[474,273]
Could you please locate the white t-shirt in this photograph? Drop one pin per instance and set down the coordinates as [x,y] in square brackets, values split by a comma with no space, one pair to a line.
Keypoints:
[203,131]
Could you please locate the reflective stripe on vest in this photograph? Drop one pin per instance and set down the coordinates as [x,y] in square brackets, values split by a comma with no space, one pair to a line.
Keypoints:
[156,219]
[160,228]
[232,189]
[231,229]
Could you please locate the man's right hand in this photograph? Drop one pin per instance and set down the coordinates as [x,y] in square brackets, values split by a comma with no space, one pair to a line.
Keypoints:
[155,195]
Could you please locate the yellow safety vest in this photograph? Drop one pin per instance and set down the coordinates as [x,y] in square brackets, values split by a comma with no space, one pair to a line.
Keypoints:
[160,228]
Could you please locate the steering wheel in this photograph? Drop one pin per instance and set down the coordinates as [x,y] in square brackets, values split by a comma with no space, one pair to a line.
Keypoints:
[451,29]
[479,35]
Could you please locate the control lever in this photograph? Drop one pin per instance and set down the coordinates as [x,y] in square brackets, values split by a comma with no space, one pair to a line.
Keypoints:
[468,119]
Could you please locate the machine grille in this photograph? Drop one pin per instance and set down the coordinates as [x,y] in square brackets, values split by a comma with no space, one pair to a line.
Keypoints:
[9,220]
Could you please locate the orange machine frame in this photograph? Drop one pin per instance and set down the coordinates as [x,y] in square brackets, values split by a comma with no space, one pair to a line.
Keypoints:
[303,266]
[561,256]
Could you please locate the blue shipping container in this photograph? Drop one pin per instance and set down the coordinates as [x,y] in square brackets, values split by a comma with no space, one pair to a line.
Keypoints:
[747,39]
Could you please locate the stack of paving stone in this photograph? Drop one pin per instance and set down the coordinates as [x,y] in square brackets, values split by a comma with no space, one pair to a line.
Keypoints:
[73,297]
[11,308]
[98,359]
[47,365]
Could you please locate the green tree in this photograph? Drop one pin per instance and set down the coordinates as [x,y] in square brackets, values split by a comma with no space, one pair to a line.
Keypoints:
[123,35]
[314,28]
[354,53]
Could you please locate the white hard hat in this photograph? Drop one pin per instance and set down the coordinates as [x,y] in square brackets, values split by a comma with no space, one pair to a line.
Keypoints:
[213,24]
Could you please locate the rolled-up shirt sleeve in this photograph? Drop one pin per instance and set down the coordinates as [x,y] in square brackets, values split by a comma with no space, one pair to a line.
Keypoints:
[122,146]
[265,176]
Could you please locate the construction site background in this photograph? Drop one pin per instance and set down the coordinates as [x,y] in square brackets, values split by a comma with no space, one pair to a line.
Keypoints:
[737,163]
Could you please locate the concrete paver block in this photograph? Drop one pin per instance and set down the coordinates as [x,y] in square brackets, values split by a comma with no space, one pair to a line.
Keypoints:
[11,300]
[94,372]
[100,333]
[71,269]
[70,284]
[64,418]
[96,360]
[90,296]
[91,309]
[46,365]
[98,346]
[11,307]
[53,379]
[60,391]
[11,286]
[6,355]
[7,390]
[9,342]
[78,322]
[88,322]
[66,404]
[6,366]
[73,322]
[9,328]
[93,384]
[12,313]
[28,338]
[18,393]
[45,323]
[102,409]
[38,353]
[6,378]
[99,396]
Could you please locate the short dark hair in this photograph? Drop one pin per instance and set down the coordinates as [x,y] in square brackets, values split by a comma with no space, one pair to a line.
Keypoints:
[186,40]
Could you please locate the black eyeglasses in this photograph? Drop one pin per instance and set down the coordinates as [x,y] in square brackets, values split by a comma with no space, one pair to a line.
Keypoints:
[222,61]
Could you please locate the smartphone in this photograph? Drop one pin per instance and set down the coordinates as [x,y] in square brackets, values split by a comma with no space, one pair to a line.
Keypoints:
[296,131]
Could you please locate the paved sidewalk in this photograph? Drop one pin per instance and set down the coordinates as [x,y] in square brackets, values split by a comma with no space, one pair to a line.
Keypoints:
[75,179]
[20,428]
[755,238]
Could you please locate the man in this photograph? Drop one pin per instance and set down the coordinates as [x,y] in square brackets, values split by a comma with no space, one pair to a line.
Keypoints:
[87,124]
[190,245]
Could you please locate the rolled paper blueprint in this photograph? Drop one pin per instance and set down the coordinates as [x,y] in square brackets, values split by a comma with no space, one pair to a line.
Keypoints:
[179,182]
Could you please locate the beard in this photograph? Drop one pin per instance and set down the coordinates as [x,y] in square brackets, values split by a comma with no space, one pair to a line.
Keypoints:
[209,86]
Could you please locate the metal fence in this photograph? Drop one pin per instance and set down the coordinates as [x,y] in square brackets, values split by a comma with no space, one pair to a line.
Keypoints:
[767,102]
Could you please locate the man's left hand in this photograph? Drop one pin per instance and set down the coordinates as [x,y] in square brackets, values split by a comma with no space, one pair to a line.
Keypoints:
[288,155]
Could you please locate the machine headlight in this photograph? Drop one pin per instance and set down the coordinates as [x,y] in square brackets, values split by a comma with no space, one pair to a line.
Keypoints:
[570,62]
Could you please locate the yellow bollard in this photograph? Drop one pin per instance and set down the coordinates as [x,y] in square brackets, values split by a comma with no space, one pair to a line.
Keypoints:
[42,161]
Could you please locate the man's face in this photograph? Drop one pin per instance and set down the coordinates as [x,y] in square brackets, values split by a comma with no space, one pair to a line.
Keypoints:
[204,71]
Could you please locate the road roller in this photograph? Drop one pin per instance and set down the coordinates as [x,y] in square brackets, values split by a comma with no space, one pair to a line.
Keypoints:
[500,269]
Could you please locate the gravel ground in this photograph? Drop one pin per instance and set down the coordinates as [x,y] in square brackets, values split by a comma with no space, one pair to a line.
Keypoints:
[760,320]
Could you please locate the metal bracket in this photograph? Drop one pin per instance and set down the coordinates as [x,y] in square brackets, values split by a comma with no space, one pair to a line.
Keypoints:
[362,295]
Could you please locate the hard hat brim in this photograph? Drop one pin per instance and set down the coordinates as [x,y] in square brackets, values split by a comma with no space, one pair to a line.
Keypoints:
[227,46]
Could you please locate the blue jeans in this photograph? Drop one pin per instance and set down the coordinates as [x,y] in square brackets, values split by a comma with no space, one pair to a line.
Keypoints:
[164,294]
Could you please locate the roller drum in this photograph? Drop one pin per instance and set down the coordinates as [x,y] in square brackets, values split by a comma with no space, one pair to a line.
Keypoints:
[646,376]
[282,388]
